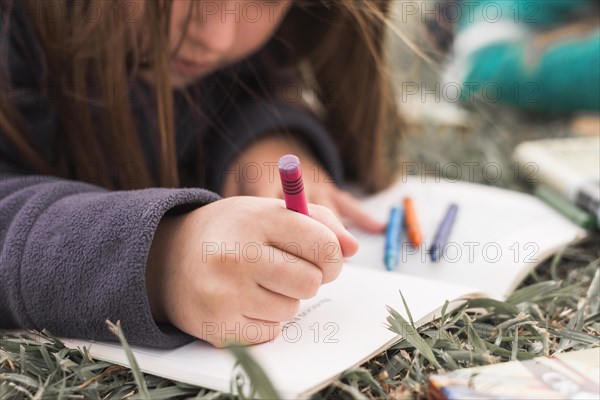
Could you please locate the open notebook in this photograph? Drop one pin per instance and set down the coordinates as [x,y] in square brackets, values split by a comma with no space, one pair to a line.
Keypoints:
[498,237]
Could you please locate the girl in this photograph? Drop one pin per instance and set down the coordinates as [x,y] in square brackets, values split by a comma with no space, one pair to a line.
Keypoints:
[113,112]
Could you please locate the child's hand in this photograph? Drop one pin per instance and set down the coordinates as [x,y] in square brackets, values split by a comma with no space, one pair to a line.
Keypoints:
[233,270]
[257,175]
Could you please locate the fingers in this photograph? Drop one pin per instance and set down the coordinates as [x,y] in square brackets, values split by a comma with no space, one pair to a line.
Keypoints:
[302,236]
[266,305]
[243,331]
[319,239]
[350,208]
[258,320]
[324,215]
[288,275]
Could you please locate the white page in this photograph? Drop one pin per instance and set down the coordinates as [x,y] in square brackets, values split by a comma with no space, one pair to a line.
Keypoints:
[343,327]
[499,235]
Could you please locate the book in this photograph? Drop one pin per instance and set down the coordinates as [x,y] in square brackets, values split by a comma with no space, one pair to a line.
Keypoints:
[573,375]
[559,203]
[345,324]
[570,166]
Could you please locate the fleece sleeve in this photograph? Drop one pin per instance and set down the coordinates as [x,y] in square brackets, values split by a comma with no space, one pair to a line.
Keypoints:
[73,255]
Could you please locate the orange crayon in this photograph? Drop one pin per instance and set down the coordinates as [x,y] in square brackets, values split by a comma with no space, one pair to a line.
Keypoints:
[412,224]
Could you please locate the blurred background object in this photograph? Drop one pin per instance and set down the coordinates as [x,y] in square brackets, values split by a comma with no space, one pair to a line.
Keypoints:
[547,51]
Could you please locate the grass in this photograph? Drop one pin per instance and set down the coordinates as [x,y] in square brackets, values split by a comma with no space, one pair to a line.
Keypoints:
[556,309]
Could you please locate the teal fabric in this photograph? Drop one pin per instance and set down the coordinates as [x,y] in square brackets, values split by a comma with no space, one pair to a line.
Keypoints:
[537,14]
[564,77]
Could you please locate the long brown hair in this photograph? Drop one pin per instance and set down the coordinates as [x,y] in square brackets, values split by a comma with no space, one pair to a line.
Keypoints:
[341,42]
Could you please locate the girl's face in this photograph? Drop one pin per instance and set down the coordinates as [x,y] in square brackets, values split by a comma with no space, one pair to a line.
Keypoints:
[219,32]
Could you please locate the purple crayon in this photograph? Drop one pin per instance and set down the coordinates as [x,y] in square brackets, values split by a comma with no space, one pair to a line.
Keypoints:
[441,237]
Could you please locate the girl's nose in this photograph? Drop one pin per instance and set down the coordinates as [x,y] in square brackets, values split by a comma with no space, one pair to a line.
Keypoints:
[215,29]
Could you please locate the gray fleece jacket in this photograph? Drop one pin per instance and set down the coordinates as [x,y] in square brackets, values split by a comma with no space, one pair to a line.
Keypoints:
[73,254]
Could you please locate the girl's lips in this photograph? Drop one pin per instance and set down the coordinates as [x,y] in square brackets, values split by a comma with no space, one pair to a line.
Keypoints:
[188,67]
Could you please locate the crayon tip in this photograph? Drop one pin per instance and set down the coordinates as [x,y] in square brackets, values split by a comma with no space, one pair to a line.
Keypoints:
[415,237]
[391,262]
[435,251]
[289,164]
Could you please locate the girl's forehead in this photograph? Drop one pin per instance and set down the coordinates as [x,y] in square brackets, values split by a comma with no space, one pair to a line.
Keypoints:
[240,11]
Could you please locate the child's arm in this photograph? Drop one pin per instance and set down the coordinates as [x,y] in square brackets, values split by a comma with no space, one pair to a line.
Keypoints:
[74,255]
[71,254]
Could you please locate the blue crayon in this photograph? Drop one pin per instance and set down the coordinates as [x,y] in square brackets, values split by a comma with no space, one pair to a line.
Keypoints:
[392,238]
[441,237]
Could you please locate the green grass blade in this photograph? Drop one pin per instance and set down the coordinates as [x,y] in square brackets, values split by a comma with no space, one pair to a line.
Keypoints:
[410,318]
[498,306]
[554,264]
[20,379]
[352,391]
[260,381]
[593,293]
[135,369]
[473,337]
[46,356]
[580,337]
[365,376]
[399,325]
[530,293]
[23,359]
